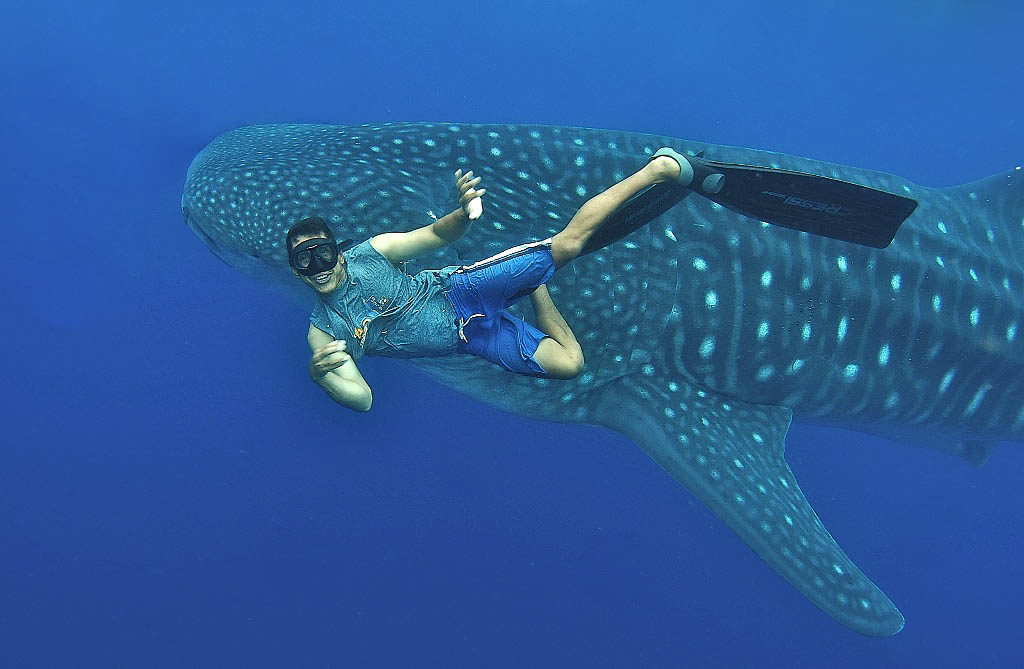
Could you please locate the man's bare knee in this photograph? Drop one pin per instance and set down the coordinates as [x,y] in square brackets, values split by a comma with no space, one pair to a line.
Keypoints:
[568,366]
[576,362]
[565,247]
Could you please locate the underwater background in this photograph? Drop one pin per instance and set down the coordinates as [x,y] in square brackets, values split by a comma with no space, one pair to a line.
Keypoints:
[174,492]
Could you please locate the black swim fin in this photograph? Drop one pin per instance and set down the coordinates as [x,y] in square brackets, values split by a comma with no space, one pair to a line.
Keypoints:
[808,202]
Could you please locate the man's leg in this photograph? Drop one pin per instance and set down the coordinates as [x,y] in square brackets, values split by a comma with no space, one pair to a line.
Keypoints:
[558,353]
[568,243]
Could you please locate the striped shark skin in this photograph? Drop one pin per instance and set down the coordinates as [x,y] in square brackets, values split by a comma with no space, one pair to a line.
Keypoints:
[704,332]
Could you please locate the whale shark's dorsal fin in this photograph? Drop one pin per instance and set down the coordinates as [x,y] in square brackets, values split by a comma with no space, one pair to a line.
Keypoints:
[730,455]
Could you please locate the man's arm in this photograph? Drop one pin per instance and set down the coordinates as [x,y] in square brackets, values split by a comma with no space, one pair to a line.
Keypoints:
[334,370]
[400,246]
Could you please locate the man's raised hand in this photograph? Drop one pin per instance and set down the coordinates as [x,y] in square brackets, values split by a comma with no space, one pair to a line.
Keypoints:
[469,197]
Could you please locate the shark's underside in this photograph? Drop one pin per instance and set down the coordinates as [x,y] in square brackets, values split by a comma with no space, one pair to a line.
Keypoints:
[703,332]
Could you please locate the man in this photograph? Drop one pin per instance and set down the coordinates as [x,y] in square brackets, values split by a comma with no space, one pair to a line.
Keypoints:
[368,305]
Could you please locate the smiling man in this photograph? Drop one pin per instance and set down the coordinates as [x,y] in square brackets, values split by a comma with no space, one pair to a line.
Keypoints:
[368,305]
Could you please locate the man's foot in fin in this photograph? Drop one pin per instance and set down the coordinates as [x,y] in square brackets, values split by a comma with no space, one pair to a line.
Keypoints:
[670,165]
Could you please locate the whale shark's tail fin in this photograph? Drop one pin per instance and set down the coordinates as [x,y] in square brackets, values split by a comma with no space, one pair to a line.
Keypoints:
[808,202]
[730,455]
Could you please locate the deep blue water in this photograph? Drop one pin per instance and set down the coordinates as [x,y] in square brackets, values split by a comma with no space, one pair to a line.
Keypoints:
[175,493]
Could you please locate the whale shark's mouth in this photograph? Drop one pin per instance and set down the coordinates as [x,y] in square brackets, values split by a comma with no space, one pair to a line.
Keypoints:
[207,239]
[262,267]
[229,258]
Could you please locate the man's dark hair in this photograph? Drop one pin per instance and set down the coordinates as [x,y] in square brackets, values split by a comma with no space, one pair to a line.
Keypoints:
[314,226]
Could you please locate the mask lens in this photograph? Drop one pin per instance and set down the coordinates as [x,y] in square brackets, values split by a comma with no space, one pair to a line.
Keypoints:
[302,259]
[326,253]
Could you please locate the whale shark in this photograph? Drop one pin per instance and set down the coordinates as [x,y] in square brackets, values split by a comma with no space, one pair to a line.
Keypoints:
[705,332]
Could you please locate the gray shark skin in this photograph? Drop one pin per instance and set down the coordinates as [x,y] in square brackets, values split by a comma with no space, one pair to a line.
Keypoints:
[705,332]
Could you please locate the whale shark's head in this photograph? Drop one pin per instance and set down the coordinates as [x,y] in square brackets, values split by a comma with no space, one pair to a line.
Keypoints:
[249,186]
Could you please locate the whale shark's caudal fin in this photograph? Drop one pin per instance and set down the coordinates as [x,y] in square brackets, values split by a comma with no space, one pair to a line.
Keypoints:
[730,455]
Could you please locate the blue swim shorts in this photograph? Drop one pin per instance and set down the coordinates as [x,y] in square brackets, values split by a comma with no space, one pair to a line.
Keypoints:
[481,294]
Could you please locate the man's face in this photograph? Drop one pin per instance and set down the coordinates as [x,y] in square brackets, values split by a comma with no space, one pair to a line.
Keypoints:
[324,282]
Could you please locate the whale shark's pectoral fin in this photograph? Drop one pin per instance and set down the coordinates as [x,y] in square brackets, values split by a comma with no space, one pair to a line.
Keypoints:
[975,451]
[730,455]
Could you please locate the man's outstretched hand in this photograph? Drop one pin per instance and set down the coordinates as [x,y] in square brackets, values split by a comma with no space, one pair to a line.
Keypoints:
[328,357]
